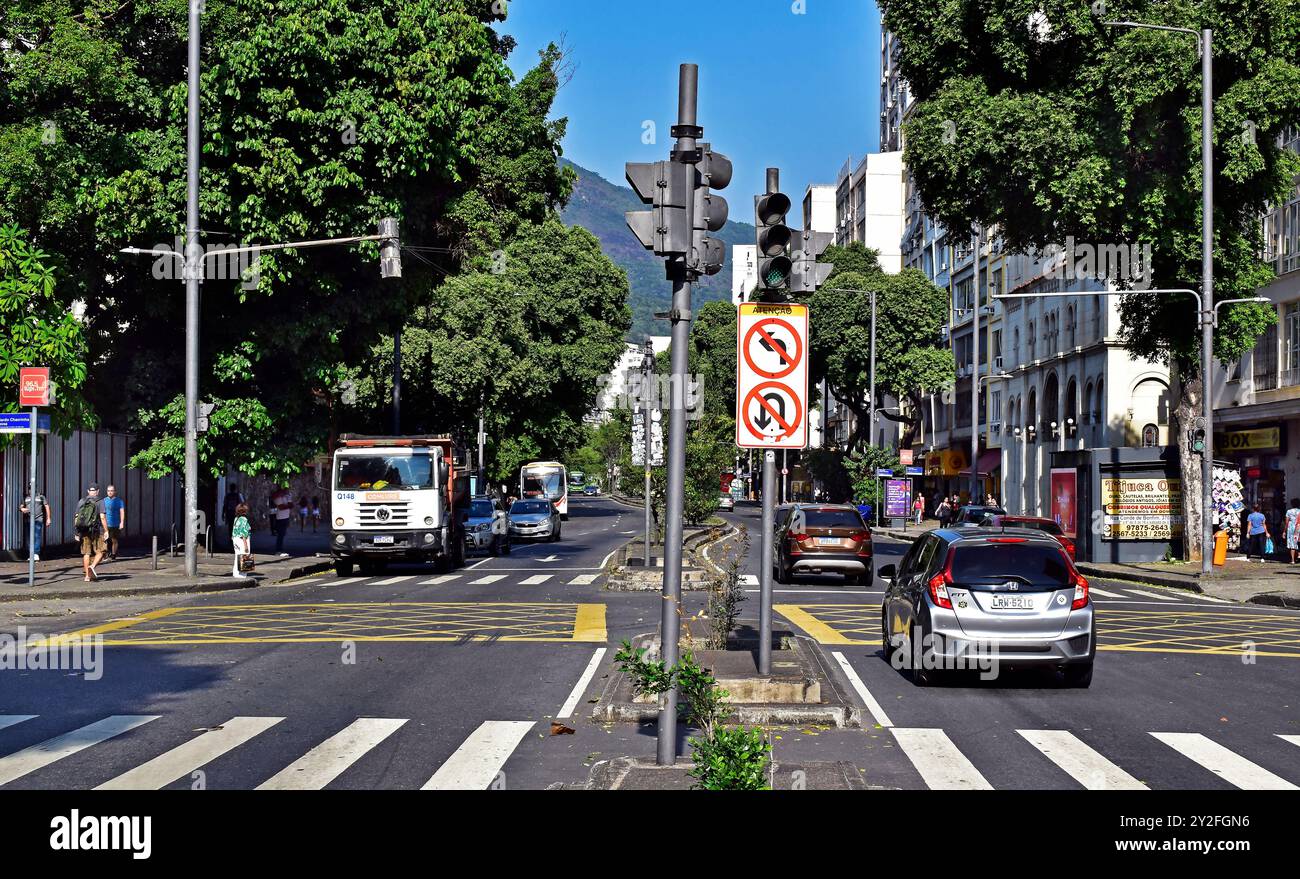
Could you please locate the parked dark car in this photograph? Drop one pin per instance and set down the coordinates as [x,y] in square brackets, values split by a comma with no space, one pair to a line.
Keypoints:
[822,539]
[975,514]
[1006,593]
[1038,523]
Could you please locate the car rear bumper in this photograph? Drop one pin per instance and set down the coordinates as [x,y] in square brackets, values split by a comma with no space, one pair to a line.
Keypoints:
[830,563]
[1076,642]
[525,531]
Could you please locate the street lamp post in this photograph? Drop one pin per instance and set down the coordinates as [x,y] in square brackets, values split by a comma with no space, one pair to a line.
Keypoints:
[193,267]
[975,365]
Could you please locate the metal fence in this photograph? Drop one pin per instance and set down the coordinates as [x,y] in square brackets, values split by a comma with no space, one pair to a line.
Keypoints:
[63,470]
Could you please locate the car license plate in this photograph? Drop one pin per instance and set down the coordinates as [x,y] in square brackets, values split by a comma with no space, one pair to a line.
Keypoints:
[828,541]
[383,538]
[1012,602]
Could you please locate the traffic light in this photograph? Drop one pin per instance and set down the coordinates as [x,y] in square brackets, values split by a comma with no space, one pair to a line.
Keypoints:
[713,171]
[808,274]
[390,253]
[1196,439]
[773,238]
[666,186]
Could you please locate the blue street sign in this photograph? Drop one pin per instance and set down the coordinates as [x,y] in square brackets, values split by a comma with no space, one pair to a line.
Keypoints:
[884,471]
[915,471]
[21,422]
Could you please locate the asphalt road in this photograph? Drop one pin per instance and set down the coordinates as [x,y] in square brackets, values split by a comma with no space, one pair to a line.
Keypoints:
[410,679]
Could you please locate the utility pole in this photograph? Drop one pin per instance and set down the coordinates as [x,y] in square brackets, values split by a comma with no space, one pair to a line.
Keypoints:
[684,212]
[1208,311]
[975,376]
[397,382]
[482,444]
[871,414]
[193,269]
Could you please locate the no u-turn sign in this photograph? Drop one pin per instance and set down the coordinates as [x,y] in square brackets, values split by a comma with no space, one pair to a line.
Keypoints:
[772,376]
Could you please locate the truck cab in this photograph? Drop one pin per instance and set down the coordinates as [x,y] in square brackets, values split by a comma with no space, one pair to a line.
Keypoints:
[397,499]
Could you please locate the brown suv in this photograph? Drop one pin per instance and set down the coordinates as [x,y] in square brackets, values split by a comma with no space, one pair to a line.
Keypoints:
[822,539]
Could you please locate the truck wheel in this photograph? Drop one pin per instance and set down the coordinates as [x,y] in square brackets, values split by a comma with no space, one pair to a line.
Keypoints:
[342,569]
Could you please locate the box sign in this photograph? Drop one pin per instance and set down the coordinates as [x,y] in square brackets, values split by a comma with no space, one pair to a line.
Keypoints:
[34,386]
[1141,508]
[1261,439]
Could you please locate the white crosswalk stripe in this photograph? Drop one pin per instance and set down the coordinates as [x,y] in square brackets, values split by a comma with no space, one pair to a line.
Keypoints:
[941,765]
[1155,595]
[327,761]
[38,756]
[1295,740]
[181,761]
[392,581]
[480,757]
[490,578]
[1103,593]
[1083,764]
[536,580]
[1200,597]
[438,581]
[583,579]
[748,580]
[1228,765]
[11,719]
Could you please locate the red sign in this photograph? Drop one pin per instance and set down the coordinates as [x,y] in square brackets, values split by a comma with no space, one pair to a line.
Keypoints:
[771,375]
[34,386]
[905,457]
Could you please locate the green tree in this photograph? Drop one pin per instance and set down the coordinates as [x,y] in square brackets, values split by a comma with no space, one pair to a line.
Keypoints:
[861,467]
[37,330]
[1078,129]
[318,118]
[526,341]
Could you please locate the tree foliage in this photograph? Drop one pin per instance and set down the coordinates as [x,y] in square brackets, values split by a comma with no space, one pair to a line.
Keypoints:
[318,118]
[37,330]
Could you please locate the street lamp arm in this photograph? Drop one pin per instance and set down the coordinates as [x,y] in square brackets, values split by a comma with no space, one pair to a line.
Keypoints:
[255,248]
[1154,27]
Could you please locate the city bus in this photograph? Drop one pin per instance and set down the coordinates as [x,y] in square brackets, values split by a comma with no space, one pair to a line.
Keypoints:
[548,479]
[577,479]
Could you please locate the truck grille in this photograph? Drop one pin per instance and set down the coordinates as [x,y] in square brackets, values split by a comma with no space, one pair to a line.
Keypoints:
[386,514]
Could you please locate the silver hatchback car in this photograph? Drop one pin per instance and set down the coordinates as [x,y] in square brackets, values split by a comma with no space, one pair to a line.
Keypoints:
[968,596]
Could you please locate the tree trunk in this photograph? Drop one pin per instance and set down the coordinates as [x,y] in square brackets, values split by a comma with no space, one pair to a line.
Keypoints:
[1189,409]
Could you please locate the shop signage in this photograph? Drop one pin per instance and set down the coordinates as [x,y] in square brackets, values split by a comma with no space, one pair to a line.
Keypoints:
[1141,508]
[1260,439]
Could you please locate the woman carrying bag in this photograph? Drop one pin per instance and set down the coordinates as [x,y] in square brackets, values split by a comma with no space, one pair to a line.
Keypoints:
[241,535]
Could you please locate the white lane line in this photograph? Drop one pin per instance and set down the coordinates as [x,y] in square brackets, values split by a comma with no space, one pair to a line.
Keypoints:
[1200,597]
[581,686]
[941,765]
[603,561]
[391,580]
[745,579]
[480,757]
[328,760]
[583,579]
[439,580]
[1295,740]
[1091,588]
[535,580]
[490,578]
[1082,762]
[184,759]
[1152,595]
[480,562]
[863,693]
[11,719]
[338,581]
[1228,765]
[19,763]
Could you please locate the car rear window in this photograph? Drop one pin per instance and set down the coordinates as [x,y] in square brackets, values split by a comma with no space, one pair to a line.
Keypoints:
[1048,527]
[815,518]
[1033,563]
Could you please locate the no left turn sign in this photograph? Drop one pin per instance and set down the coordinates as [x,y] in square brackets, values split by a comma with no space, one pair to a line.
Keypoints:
[772,376]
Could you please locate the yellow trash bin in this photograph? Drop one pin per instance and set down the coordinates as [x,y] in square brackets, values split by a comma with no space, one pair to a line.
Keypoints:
[1220,547]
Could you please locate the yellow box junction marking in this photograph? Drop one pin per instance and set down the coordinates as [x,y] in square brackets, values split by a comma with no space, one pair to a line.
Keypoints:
[835,623]
[391,621]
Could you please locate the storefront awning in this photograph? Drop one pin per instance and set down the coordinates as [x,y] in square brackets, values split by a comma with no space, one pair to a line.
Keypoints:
[990,460]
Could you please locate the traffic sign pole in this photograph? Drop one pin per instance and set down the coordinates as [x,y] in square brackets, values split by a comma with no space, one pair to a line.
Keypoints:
[647,373]
[31,511]
[765,575]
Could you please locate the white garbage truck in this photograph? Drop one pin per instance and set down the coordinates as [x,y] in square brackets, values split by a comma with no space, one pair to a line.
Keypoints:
[397,499]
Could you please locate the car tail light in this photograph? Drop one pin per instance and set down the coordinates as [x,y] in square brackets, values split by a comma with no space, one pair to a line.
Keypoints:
[864,538]
[795,537]
[1007,539]
[798,536]
[1080,589]
[1069,547]
[939,584]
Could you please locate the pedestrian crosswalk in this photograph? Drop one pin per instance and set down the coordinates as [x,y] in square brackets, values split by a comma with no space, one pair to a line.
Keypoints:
[474,765]
[939,760]
[941,763]
[489,579]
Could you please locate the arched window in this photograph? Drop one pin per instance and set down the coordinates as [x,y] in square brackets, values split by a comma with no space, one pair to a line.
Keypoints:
[1099,413]
[1051,402]
[1071,407]
[1031,414]
[1087,403]
[1069,326]
[1096,317]
[1015,347]
[1031,340]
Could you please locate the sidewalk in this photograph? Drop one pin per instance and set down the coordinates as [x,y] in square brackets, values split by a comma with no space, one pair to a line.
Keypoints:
[133,574]
[1272,583]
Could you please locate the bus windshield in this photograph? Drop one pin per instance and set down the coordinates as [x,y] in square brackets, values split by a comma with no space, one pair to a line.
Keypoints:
[544,483]
[379,472]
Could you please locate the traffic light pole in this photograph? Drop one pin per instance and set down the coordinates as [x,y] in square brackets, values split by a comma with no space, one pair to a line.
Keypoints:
[680,316]
[765,575]
[647,397]
[193,267]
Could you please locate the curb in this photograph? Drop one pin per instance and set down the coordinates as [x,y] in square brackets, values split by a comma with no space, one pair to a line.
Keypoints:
[1152,578]
[216,585]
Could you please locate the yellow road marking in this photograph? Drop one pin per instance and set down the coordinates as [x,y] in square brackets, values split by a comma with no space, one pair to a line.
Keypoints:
[82,634]
[820,631]
[589,623]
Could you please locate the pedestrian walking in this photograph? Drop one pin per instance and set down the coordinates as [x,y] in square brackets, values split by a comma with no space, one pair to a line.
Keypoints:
[315,514]
[282,511]
[114,518]
[944,513]
[1256,534]
[89,526]
[1293,528]
[918,507]
[39,507]
[302,513]
[228,506]
[241,538]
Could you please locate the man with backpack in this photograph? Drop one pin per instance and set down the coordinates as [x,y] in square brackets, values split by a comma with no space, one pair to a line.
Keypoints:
[90,526]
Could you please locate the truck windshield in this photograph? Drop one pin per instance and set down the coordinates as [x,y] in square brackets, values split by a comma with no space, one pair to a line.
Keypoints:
[378,472]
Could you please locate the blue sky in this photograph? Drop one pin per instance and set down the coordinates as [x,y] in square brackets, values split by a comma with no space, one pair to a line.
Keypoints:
[755,63]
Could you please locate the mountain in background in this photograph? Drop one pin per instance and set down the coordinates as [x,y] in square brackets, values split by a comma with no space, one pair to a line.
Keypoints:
[598,206]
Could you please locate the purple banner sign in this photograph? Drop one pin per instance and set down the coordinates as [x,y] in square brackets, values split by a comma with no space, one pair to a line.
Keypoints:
[898,498]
